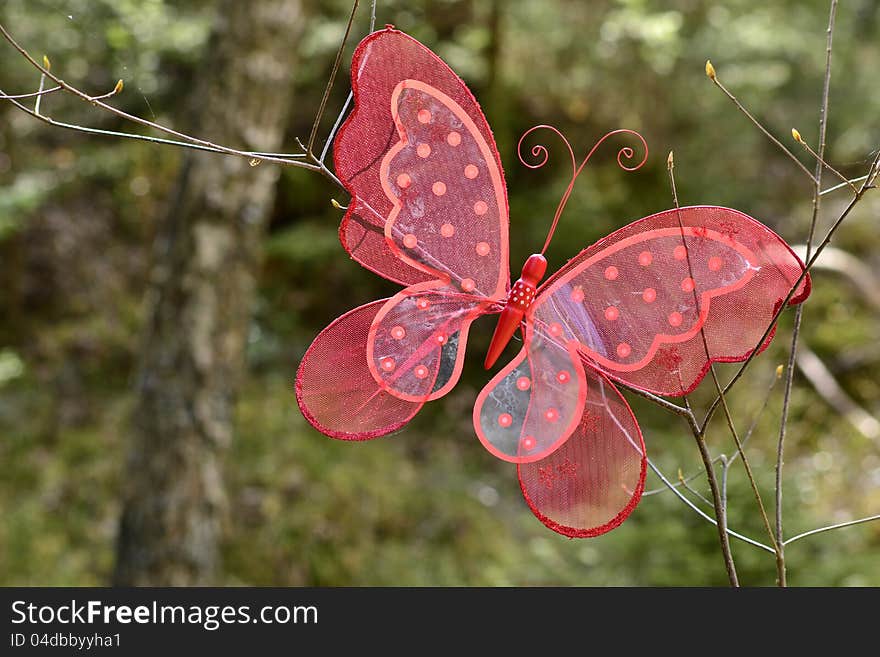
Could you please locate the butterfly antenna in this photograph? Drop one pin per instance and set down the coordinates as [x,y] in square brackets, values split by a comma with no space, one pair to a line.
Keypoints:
[540,151]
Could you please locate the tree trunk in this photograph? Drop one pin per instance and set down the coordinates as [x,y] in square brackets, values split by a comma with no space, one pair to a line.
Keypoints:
[206,260]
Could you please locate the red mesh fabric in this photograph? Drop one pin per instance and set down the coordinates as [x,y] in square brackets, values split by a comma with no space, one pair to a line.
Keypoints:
[534,404]
[334,387]
[595,479]
[381,62]
[637,300]
[418,340]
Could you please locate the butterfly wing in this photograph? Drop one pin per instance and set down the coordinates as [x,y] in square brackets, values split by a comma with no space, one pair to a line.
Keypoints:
[335,389]
[590,484]
[428,209]
[640,302]
[419,160]
[579,452]
[415,347]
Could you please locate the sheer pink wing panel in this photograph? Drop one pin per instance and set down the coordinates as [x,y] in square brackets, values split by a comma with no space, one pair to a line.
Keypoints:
[335,389]
[532,405]
[381,62]
[636,301]
[416,343]
[449,215]
[590,484]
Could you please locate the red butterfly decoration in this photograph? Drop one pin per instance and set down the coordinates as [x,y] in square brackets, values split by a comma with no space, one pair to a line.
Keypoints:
[651,305]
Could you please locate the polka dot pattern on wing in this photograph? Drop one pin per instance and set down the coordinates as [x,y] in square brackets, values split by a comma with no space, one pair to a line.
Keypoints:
[577,295]
[523,383]
[482,248]
[687,284]
[439,188]
[423,304]
[398,332]
[420,371]
[715,263]
[649,295]
[675,318]
[468,284]
[424,116]
[611,313]
[551,414]
[505,420]
[679,252]
[447,230]
[424,150]
[471,172]
[410,241]
[563,376]
[387,364]
[453,138]
[645,258]
[528,443]
[611,273]
[480,208]
[404,181]
[623,350]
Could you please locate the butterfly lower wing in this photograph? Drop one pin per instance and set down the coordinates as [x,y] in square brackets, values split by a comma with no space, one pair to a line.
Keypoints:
[335,390]
[640,302]
[532,405]
[416,342]
[417,156]
[593,481]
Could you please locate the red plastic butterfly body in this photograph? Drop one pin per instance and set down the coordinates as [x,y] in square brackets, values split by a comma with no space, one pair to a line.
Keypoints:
[651,305]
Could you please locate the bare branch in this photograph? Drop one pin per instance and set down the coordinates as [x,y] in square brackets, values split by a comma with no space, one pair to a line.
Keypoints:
[33,94]
[703,514]
[323,106]
[720,511]
[710,72]
[820,530]
[182,139]
[799,313]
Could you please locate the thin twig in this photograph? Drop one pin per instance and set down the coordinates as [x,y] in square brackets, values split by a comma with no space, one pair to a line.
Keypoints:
[684,484]
[348,99]
[187,141]
[703,514]
[820,160]
[323,106]
[745,440]
[720,512]
[799,313]
[33,94]
[849,183]
[820,530]
[710,72]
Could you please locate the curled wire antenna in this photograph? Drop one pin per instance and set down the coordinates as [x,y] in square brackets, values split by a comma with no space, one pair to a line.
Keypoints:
[542,156]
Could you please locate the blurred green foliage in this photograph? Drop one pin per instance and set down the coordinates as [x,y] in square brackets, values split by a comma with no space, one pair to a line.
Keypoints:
[427,506]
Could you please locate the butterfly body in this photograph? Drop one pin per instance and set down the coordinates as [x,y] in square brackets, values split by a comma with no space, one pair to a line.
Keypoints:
[518,301]
[652,305]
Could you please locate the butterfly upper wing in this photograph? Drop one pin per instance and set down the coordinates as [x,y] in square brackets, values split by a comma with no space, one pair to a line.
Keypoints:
[415,117]
[428,209]
[640,302]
